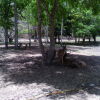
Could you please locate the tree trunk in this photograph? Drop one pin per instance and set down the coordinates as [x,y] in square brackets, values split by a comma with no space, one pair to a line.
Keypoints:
[29,35]
[75,39]
[39,30]
[94,38]
[51,51]
[52,17]
[83,39]
[6,38]
[61,31]
[48,55]
[16,25]
[89,39]
[78,39]
[47,34]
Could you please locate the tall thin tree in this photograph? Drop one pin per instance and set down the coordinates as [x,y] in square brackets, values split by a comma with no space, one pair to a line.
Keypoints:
[16,24]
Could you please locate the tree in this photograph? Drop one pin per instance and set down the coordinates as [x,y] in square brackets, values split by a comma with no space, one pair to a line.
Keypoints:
[51,8]
[18,8]
[49,55]
[95,30]
[7,13]
[47,12]
[16,24]
[5,17]
[86,27]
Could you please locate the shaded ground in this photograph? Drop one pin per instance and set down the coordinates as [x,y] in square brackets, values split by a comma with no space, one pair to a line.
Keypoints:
[23,78]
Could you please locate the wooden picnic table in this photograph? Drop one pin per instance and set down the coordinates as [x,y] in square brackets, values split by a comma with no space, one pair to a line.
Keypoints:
[21,45]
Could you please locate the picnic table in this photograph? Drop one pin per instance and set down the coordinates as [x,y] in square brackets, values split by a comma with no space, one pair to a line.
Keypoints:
[22,44]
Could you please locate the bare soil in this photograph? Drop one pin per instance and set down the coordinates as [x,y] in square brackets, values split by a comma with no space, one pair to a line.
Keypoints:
[22,77]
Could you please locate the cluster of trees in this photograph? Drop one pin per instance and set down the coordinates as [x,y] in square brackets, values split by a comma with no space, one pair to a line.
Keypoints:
[81,23]
[77,17]
[10,10]
[85,25]
[56,10]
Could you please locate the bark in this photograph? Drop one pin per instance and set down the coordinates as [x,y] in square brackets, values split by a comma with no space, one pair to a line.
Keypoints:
[52,15]
[83,39]
[16,25]
[61,30]
[47,34]
[49,55]
[29,35]
[6,38]
[94,38]
[59,40]
[75,39]
[6,18]
[89,39]
[39,30]
[78,39]
[51,51]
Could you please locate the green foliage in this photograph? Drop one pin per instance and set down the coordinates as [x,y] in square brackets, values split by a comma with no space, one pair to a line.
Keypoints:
[83,22]
[6,13]
[77,18]
[30,13]
[23,31]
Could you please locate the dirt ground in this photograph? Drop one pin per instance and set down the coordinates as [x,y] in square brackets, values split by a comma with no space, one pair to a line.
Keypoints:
[23,78]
